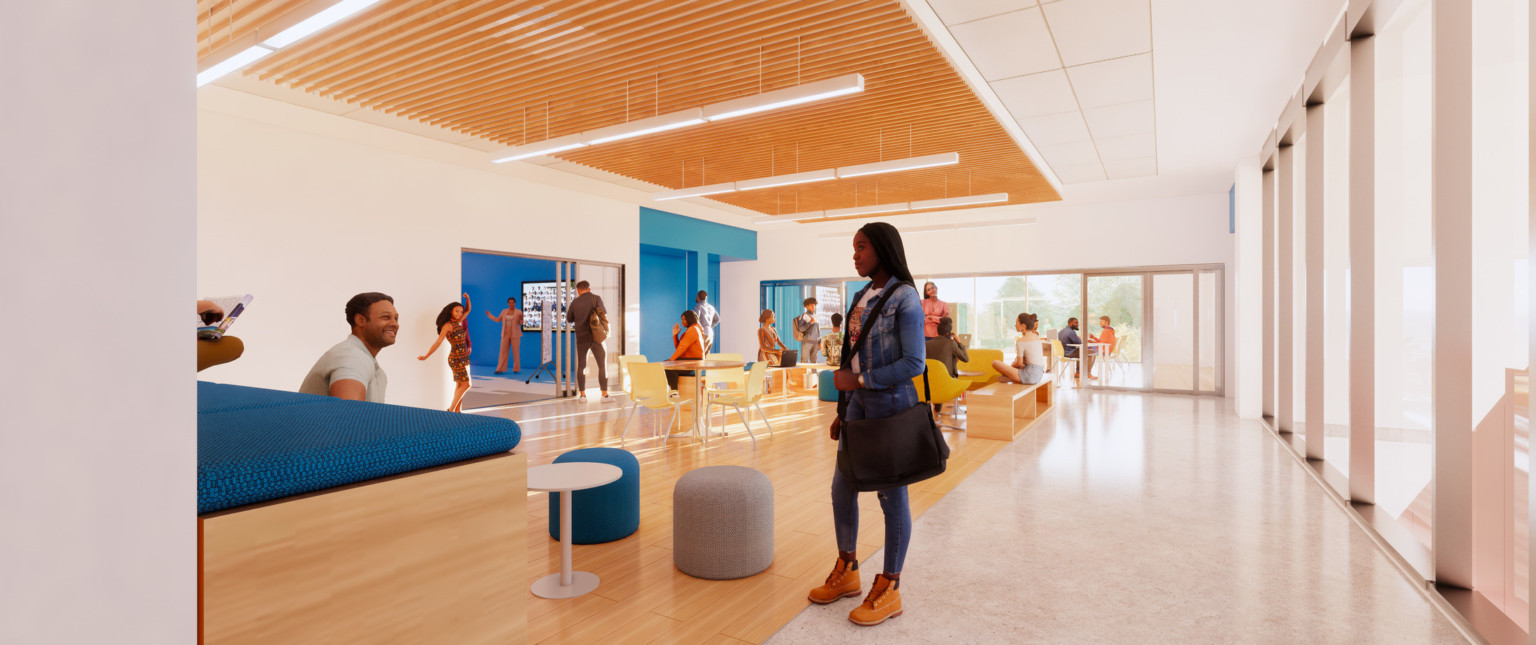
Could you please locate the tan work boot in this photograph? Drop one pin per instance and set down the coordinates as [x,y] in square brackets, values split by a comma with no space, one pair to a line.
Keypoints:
[842,583]
[883,601]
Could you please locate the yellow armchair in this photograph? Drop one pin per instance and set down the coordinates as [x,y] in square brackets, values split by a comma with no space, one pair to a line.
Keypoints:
[942,388]
[981,361]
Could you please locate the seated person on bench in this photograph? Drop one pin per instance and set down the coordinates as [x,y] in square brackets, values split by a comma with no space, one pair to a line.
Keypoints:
[1029,367]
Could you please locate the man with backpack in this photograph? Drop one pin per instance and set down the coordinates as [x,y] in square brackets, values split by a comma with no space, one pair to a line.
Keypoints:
[581,313]
[808,332]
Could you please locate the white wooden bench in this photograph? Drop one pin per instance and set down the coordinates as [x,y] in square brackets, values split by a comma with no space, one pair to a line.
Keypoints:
[1005,410]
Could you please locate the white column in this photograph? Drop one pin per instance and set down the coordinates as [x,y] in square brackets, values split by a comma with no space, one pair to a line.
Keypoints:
[1451,204]
[1285,170]
[1531,285]
[1268,358]
[1313,252]
[1244,383]
[1362,269]
[98,435]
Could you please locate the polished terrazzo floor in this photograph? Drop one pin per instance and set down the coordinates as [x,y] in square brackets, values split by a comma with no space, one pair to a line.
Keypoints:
[1139,518]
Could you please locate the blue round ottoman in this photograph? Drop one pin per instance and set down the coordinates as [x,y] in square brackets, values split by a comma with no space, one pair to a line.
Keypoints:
[824,388]
[606,513]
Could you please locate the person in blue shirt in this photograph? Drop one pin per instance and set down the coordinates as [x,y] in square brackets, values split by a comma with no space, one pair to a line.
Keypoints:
[1071,343]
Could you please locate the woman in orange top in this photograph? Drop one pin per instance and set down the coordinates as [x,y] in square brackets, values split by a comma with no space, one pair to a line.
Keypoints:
[689,343]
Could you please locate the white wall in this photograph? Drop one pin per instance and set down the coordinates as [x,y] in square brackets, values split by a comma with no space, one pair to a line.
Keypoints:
[1066,236]
[97,445]
[305,209]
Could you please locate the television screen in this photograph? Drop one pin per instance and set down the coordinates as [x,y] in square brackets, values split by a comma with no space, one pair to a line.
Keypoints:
[536,294]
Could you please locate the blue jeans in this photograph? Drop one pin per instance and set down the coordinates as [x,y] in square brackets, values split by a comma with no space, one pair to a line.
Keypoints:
[845,511]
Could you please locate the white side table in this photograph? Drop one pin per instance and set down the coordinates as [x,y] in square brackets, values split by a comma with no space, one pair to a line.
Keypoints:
[566,478]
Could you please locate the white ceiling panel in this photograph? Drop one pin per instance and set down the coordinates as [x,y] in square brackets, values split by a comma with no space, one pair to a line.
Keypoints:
[1079,153]
[1122,120]
[1112,82]
[1008,45]
[954,12]
[1079,174]
[1135,146]
[1057,128]
[1129,168]
[1036,94]
[1094,30]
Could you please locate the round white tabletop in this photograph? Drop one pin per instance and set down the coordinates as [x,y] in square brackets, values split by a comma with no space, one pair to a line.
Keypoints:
[564,478]
[571,475]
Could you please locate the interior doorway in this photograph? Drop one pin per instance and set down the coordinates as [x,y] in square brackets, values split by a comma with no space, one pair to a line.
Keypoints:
[523,348]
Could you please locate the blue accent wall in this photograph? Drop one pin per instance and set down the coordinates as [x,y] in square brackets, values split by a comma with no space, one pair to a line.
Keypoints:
[662,272]
[489,280]
[679,256]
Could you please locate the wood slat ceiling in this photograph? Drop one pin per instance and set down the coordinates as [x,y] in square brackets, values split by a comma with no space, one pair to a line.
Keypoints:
[516,71]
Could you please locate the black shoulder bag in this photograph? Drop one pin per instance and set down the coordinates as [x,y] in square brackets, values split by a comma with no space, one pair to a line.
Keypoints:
[902,449]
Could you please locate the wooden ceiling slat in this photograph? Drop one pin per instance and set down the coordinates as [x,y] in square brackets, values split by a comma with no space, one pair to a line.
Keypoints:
[703,91]
[487,67]
[541,82]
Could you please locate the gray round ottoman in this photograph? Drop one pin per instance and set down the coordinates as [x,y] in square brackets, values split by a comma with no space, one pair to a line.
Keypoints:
[722,522]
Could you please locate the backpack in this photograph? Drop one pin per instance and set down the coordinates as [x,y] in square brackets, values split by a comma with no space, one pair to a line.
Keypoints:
[598,322]
[797,331]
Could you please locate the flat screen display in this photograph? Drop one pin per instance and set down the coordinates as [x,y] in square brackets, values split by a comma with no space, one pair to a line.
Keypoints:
[535,294]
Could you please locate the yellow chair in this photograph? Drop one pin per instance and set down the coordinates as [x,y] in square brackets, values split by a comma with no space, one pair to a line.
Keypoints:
[1060,355]
[942,388]
[981,361]
[651,391]
[715,380]
[628,382]
[748,397]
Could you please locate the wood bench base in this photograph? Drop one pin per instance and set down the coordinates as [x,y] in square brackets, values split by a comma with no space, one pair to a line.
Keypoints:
[1005,410]
[433,556]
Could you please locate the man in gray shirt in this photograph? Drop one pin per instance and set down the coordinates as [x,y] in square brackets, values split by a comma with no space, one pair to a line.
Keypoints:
[708,318]
[578,314]
[350,370]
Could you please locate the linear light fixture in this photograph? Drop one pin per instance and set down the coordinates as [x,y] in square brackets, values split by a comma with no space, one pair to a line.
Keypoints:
[776,99]
[943,227]
[290,28]
[545,147]
[696,191]
[308,26]
[771,100]
[642,127]
[894,165]
[897,165]
[786,219]
[787,180]
[245,57]
[969,200]
[869,210]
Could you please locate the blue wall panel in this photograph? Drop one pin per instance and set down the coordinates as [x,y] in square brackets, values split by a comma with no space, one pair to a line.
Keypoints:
[663,274]
[660,228]
[489,280]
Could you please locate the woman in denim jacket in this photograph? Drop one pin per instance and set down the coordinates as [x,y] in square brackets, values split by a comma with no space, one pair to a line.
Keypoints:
[878,384]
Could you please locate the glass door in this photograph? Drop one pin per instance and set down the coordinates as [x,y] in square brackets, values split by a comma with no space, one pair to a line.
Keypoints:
[607,283]
[1115,317]
[1172,338]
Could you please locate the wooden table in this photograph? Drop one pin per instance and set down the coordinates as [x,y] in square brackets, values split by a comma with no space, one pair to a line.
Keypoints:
[698,366]
[566,478]
[969,373]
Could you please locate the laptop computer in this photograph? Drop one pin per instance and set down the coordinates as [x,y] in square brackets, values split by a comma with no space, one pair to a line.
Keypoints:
[789,358]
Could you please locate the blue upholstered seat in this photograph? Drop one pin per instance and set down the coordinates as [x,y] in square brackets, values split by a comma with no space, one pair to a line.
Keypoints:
[606,513]
[255,444]
[825,390]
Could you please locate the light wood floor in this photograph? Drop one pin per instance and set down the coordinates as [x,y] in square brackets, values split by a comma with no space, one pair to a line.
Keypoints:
[643,598]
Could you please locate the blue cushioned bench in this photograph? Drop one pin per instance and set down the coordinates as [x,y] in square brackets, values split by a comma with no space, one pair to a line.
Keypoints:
[255,445]
[322,520]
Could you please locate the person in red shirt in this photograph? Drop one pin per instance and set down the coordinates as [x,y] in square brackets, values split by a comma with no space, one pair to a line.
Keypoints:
[1106,336]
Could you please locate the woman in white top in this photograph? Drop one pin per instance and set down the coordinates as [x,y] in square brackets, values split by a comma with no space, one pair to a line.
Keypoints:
[1029,367]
